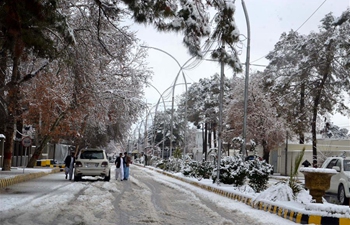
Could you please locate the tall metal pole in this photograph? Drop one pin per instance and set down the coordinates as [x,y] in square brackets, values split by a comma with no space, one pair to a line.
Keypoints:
[172,110]
[286,156]
[161,97]
[155,115]
[220,119]
[246,80]
[172,99]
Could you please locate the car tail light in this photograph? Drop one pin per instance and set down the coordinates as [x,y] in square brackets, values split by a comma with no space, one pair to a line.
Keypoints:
[104,164]
[78,164]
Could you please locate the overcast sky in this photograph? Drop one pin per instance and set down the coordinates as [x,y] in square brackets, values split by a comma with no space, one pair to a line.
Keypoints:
[268,20]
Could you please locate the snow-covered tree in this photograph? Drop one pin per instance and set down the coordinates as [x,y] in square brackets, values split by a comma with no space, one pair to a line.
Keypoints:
[24,26]
[319,75]
[203,106]
[333,131]
[286,80]
[263,124]
[86,35]
[159,131]
[193,19]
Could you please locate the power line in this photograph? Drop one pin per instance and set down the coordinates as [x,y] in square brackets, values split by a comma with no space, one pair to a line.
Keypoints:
[299,26]
[312,14]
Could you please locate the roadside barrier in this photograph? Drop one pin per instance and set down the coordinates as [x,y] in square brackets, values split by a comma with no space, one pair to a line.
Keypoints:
[24,177]
[297,217]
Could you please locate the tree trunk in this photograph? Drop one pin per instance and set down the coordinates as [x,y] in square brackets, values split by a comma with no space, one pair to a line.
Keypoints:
[324,69]
[302,113]
[38,151]
[8,145]
[3,104]
[314,140]
[214,134]
[205,141]
[10,126]
[44,141]
[209,135]
[266,151]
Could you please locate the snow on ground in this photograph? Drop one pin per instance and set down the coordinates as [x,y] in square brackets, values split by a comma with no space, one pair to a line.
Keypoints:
[15,171]
[53,202]
[277,194]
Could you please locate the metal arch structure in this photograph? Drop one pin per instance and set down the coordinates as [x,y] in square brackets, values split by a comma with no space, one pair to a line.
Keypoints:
[161,97]
[155,115]
[173,93]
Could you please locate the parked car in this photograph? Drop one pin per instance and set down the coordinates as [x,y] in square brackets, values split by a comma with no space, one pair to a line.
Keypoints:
[340,182]
[92,162]
[252,157]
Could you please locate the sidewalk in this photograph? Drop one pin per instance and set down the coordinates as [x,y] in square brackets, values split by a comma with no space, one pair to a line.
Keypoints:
[18,174]
[313,213]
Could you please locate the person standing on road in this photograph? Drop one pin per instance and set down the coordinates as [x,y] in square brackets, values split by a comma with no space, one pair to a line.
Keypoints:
[145,160]
[119,170]
[69,165]
[127,162]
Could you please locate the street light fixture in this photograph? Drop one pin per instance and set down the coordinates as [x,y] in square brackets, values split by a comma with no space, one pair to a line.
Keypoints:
[172,99]
[245,97]
[161,97]
[246,79]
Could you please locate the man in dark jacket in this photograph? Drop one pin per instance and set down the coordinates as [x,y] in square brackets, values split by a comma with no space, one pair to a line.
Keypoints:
[119,171]
[127,162]
[69,165]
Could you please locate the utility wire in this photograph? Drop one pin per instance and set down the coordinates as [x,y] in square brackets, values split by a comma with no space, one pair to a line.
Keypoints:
[299,26]
[312,14]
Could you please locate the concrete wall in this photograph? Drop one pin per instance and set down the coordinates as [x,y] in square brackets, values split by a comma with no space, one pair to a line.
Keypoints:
[325,148]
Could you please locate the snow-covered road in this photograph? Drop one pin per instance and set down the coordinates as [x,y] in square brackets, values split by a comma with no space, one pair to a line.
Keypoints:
[147,198]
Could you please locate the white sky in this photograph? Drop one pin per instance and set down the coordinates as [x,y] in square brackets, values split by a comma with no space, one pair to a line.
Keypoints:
[268,20]
[26,206]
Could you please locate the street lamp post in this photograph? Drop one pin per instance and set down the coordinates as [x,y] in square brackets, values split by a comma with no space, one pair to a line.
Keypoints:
[172,100]
[161,97]
[246,80]
[220,120]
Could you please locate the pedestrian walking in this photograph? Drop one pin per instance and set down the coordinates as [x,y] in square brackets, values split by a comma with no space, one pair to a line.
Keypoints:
[145,160]
[119,171]
[127,162]
[69,165]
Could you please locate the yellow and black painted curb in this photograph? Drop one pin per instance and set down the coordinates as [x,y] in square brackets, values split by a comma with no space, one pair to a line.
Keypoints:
[294,216]
[24,177]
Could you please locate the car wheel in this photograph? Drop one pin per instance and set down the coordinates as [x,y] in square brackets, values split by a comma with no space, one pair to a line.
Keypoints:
[343,200]
[108,178]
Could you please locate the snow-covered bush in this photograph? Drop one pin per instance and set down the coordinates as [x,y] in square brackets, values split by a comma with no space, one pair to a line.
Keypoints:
[281,191]
[198,170]
[258,174]
[173,164]
[278,192]
[154,160]
[233,170]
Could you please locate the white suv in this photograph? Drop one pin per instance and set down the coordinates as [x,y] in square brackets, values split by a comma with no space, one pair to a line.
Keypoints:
[340,182]
[92,162]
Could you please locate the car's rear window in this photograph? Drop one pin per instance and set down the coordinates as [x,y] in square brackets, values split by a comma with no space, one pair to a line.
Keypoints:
[92,155]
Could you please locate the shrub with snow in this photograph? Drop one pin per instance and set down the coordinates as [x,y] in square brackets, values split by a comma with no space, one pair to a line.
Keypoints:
[258,174]
[233,170]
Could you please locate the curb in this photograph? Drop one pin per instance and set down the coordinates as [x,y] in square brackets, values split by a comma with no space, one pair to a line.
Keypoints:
[24,177]
[291,215]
